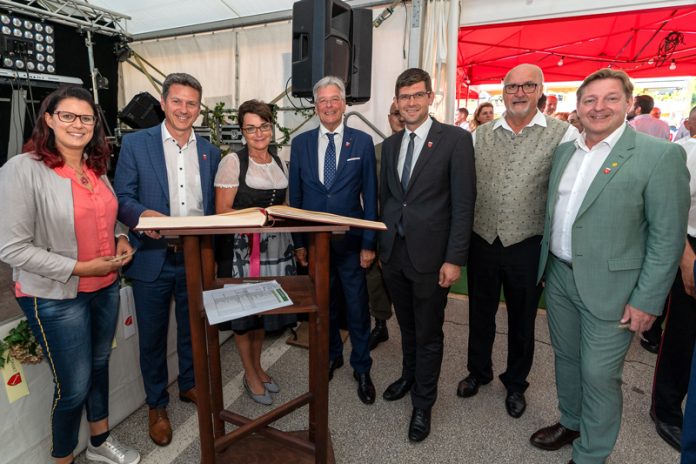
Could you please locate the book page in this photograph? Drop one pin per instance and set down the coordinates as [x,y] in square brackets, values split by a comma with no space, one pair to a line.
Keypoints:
[249,217]
[288,212]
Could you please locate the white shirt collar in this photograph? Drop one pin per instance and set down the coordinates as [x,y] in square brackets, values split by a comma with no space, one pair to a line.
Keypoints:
[422,130]
[539,119]
[167,136]
[610,140]
[323,130]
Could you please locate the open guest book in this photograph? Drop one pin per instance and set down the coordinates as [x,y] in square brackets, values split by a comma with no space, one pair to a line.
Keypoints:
[253,217]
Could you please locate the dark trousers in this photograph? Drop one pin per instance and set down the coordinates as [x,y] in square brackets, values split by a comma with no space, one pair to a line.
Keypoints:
[514,267]
[688,443]
[76,337]
[152,307]
[349,291]
[380,303]
[671,380]
[419,305]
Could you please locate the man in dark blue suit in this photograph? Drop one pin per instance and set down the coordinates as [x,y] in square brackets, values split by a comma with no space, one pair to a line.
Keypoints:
[332,169]
[165,171]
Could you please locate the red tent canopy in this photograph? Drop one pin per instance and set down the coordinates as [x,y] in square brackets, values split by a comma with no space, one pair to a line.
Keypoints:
[643,43]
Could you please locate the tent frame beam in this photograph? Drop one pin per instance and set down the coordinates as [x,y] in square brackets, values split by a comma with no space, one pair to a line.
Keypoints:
[72,13]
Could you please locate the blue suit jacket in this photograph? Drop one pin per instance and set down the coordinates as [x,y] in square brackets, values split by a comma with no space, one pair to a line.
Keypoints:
[141,183]
[354,190]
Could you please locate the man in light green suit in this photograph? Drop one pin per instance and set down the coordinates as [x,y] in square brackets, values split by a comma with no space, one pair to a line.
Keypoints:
[613,235]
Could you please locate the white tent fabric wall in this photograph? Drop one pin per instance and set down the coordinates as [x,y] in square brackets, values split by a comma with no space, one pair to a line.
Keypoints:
[435,52]
[264,67]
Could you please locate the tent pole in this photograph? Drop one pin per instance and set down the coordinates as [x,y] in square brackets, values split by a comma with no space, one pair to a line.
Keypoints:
[451,70]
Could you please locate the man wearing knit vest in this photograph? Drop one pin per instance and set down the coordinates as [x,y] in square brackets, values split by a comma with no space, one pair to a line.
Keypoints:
[513,160]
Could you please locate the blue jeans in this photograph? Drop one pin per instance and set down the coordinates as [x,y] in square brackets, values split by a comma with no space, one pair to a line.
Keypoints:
[76,336]
[152,306]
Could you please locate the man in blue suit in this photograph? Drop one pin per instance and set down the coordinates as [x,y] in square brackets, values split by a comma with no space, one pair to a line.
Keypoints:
[165,171]
[332,169]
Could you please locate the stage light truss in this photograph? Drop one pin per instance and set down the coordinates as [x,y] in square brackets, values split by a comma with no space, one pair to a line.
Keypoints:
[26,44]
[74,13]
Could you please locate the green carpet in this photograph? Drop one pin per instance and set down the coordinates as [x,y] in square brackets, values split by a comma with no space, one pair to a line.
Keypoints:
[462,288]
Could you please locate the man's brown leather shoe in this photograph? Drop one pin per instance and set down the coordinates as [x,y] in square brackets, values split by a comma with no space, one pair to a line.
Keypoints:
[189,396]
[553,438]
[160,428]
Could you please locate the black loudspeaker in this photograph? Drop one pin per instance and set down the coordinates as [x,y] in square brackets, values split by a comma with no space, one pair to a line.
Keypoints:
[142,111]
[359,85]
[320,43]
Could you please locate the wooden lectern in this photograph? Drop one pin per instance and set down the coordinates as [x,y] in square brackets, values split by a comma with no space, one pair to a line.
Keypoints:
[254,440]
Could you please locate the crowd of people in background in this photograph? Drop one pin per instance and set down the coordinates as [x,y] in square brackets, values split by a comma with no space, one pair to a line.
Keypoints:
[597,212]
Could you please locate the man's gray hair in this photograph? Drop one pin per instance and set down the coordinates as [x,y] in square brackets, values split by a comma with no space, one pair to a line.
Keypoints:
[327,81]
[181,79]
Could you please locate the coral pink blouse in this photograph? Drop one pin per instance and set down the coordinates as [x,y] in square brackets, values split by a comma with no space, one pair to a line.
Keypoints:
[95,220]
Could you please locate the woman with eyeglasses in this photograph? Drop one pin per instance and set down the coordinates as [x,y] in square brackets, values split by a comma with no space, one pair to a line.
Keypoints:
[254,177]
[60,235]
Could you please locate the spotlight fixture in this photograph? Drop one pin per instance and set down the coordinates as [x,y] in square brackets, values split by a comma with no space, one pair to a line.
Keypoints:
[560,62]
[673,65]
[25,43]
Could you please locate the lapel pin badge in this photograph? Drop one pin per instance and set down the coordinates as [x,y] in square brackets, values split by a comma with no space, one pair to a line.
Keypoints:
[347,144]
[614,164]
[430,144]
[205,157]
[607,170]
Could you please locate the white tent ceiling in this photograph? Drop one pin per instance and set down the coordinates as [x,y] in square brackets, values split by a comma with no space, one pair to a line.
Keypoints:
[149,17]
[157,15]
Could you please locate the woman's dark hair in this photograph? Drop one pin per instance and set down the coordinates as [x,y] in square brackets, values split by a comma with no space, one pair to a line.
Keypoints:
[259,108]
[43,142]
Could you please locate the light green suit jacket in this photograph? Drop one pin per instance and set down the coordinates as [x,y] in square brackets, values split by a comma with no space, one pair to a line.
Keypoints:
[630,230]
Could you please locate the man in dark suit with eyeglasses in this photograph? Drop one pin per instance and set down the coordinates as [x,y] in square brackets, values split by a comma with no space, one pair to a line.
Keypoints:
[427,196]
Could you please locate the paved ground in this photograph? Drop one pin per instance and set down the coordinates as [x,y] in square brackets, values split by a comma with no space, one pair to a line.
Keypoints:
[473,431]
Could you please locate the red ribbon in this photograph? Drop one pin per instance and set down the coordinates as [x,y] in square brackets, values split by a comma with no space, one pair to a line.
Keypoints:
[254,255]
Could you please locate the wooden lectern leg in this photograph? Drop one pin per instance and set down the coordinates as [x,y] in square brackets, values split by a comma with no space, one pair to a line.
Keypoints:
[213,340]
[194,284]
[319,346]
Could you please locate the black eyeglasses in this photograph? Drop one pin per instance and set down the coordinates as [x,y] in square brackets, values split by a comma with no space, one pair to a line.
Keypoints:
[527,87]
[404,97]
[251,130]
[67,116]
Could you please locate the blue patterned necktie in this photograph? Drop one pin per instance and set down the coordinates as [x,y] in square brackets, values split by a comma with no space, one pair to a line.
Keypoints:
[406,172]
[330,162]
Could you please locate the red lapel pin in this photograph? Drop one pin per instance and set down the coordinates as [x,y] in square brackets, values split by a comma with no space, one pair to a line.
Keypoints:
[607,170]
[205,157]
[347,144]
[430,144]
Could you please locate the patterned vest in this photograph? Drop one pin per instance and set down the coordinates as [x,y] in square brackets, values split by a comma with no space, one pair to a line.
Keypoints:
[512,176]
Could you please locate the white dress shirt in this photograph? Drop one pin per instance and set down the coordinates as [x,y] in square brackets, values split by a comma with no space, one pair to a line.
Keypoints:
[324,143]
[183,175]
[689,145]
[540,120]
[582,168]
[418,142]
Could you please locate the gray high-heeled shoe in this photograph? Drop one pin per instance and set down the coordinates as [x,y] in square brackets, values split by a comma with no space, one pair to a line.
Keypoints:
[264,399]
[271,386]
